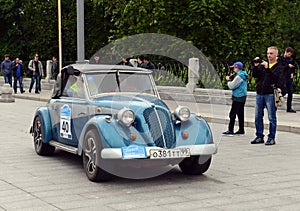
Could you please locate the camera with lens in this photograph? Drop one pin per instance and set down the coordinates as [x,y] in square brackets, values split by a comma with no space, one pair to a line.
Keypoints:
[257,60]
[231,77]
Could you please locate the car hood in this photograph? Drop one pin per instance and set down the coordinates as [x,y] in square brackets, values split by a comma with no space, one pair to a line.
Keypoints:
[153,118]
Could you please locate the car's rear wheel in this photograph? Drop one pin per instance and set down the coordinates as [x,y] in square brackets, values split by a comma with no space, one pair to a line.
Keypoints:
[194,165]
[92,159]
[40,147]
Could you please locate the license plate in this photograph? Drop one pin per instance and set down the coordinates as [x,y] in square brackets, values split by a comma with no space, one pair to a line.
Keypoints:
[169,153]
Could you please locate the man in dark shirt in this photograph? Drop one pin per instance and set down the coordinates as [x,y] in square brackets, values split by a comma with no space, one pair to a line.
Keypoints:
[37,71]
[6,68]
[18,73]
[288,60]
[267,75]
[140,61]
[54,68]
[148,65]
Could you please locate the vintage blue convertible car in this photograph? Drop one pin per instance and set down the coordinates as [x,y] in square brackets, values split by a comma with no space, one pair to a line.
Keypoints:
[114,118]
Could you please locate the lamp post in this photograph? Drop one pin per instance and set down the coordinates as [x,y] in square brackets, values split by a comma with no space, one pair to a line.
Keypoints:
[59,36]
[80,31]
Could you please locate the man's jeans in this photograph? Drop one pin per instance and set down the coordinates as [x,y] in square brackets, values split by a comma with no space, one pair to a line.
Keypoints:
[8,79]
[35,78]
[262,102]
[20,79]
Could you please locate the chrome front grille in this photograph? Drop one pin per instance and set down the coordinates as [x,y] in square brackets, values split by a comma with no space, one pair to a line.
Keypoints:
[161,129]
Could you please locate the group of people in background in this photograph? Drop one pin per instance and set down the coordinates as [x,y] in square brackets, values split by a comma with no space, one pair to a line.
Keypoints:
[276,72]
[15,69]
[143,61]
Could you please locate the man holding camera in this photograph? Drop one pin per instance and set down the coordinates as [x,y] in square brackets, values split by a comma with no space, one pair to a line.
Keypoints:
[268,75]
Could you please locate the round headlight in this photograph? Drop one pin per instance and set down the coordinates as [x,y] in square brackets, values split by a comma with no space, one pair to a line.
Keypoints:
[126,116]
[182,113]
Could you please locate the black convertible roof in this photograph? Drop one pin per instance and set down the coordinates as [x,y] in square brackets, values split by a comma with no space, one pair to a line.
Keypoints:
[85,68]
[76,69]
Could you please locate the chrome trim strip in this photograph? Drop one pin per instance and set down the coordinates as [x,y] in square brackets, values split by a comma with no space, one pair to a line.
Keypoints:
[156,113]
[160,126]
[64,147]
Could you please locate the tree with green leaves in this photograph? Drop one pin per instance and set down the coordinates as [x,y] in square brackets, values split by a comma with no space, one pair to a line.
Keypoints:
[222,30]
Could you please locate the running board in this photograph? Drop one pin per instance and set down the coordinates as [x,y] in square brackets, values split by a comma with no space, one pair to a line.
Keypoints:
[64,147]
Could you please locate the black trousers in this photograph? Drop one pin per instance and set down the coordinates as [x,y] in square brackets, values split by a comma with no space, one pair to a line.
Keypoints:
[237,109]
[289,90]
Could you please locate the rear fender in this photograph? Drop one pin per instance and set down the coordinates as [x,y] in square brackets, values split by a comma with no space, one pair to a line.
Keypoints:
[44,115]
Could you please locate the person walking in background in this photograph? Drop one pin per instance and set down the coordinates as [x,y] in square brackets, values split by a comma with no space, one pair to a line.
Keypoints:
[268,75]
[288,60]
[18,73]
[6,69]
[54,67]
[238,84]
[37,71]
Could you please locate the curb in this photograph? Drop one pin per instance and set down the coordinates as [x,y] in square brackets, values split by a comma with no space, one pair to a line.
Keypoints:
[280,127]
[35,98]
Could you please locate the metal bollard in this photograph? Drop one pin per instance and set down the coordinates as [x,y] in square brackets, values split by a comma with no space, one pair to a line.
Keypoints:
[48,70]
[193,74]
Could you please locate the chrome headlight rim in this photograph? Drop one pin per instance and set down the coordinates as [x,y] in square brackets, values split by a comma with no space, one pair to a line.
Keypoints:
[182,113]
[126,116]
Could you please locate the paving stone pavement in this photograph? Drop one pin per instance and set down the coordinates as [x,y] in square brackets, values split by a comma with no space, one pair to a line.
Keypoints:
[242,176]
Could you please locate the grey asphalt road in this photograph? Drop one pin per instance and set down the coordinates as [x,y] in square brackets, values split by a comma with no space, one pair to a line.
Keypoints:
[242,176]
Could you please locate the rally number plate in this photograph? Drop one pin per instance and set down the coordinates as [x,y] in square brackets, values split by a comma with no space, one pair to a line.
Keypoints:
[169,153]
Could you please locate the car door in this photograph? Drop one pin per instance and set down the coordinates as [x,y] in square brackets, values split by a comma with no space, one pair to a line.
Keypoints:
[70,112]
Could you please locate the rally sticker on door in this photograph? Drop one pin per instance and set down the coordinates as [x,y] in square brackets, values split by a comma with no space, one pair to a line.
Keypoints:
[65,122]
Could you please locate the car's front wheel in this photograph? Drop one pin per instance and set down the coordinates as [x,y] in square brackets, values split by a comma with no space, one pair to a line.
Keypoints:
[40,147]
[195,165]
[92,158]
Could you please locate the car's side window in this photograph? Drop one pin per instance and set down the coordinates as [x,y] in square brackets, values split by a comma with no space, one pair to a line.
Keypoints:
[74,87]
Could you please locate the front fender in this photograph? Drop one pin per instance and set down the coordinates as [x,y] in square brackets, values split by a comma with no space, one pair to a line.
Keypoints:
[111,133]
[44,115]
[198,130]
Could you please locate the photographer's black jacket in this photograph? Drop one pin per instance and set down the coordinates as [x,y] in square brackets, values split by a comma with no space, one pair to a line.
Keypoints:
[266,78]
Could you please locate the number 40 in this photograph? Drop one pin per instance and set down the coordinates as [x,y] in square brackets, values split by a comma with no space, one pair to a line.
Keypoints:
[65,126]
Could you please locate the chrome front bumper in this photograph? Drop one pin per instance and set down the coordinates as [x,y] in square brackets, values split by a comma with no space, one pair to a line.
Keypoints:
[204,149]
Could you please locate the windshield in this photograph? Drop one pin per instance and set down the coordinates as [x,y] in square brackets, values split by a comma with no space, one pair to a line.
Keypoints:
[99,83]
